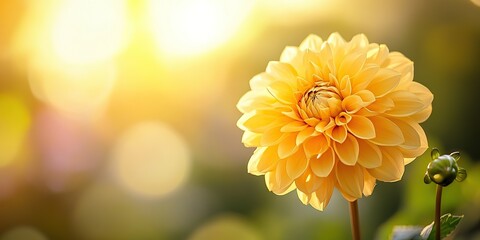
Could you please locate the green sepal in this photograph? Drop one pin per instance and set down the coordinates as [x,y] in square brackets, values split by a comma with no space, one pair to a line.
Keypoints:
[435,153]
[426,179]
[461,175]
[455,155]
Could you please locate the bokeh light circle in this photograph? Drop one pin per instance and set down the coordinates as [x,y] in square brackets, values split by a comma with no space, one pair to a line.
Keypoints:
[151,159]
[23,233]
[14,124]
[227,226]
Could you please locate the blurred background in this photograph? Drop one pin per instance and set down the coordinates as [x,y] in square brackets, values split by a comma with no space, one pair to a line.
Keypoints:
[118,117]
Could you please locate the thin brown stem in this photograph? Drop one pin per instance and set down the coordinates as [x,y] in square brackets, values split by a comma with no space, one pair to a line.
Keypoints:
[354,220]
[438,204]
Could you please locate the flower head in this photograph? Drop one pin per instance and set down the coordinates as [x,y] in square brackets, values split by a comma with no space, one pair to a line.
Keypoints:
[334,114]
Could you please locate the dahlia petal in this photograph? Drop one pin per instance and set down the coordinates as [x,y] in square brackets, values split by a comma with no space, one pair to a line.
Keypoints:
[308,182]
[311,42]
[261,81]
[381,105]
[350,179]
[369,183]
[352,103]
[282,72]
[272,137]
[369,155]
[387,132]
[423,115]
[378,54]
[411,153]
[421,92]
[347,151]
[252,100]
[258,121]
[290,54]
[264,159]
[304,134]
[358,42]
[361,127]
[304,198]
[336,39]
[250,139]
[293,126]
[342,119]
[392,167]
[364,77]
[337,133]
[281,181]
[323,164]
[320,199]
[345,86]
[384,81]
[351,65]
[316,145]
[296,164]
[287,146]
[406,104]
[325,124]
[410,134]
[282,92]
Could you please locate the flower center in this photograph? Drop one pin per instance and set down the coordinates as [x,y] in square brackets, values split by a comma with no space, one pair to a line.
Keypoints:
[322,101]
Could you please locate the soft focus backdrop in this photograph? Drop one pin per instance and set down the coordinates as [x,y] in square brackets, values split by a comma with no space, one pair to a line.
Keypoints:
[117,117]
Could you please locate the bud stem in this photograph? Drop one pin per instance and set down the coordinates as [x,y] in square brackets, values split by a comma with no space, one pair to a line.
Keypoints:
[354,220]
[438,203]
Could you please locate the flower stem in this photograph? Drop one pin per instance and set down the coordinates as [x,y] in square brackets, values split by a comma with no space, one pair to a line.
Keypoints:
[438,203]
[354,220]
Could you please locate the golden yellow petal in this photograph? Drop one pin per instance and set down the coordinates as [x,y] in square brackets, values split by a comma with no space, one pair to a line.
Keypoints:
[423,115]
[263,160]
[378,54]
[316,145]
[250,139]
[260,121]
[381,105]
[337,133]
[369,183]
[392,167]
[254,100]
[311,42]
[261,81]
[351,64]
[294,57]
[304,198]
[347,151]
[345,86]
[304,135]
[296,164]
[410,134]
[288,145]
[350,179]
[320,199]
[325,125]
[361,127]
[355,102]
[308,182]
[278,180]
[364,77]
[271,137]
[282,92]
[411,153]
[359,42]
[369,155]
[406,104]
[335,39]
[294,126]
[384,81]
[387,132]
[322,164]
[284,72]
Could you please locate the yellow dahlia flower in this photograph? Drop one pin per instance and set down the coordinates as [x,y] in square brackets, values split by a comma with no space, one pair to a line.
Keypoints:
[334,114]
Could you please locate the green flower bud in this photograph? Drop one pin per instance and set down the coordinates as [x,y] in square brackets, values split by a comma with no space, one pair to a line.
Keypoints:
[444,169]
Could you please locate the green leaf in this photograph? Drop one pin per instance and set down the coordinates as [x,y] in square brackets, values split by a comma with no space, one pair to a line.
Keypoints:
[435,154]
[448,223]
[406,233]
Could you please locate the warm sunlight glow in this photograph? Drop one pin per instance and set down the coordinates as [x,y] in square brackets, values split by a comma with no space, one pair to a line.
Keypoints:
[75,89]
[89,30]
[186,27]
[151,159]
